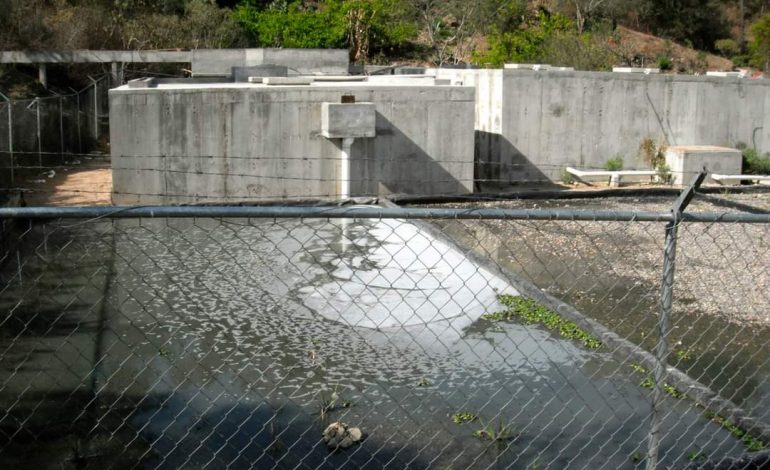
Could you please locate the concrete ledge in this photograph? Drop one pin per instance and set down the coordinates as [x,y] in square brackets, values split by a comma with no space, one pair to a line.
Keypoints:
[614,176]
[645,71]
[736,179]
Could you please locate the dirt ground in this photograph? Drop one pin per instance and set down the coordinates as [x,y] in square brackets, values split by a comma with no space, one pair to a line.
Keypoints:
[87,182]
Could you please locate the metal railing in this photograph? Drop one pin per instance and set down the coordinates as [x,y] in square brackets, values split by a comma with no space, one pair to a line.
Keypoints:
[326,337]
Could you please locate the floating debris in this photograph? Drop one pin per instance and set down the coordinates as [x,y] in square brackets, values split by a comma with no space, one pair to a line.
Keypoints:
[339,435]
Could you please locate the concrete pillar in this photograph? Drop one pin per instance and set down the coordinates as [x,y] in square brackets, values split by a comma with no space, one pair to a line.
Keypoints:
[42,75]
[116,75]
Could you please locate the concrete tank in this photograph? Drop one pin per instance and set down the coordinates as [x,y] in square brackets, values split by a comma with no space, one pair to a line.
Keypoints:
[226,142]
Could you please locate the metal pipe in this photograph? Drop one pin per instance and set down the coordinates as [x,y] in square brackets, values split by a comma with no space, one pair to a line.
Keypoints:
[347,144]
[10,134]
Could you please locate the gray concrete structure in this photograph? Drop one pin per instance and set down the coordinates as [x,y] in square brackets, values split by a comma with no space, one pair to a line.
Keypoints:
[204,62]
[686,161]
[532,124]
[188,143]
[300,61]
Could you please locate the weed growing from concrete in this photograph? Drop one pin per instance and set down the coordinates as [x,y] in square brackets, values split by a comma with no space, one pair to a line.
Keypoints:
[529,311]
[751,442]
[501,432]
[614,164]
[649,382]
[566,177]
[683,355]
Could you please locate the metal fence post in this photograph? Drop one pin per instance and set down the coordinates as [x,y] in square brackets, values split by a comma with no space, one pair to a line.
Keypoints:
[39,139]
[61,127]
[666,302]
[80,141]
[10,133]
[96,107]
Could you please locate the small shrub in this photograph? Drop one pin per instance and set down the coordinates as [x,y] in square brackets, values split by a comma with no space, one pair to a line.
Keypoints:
[754,163]
[664,174]
[664,63]
[727,47]
[567,177]
[614,164]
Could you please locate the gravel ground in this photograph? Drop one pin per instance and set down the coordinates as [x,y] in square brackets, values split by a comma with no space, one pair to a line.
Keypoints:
[612,272]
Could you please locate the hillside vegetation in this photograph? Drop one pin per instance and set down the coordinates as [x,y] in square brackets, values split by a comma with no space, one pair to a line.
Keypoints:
[677,35]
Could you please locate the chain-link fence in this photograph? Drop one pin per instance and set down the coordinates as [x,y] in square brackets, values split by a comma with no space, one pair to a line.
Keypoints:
[328,337]
[54,132]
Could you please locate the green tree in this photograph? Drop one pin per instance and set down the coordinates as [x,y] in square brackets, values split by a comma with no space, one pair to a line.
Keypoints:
[364,26]
[760,44]
[526,43]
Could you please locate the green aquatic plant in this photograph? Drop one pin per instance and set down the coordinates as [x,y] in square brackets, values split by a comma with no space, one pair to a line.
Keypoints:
[463,417]
[530,311]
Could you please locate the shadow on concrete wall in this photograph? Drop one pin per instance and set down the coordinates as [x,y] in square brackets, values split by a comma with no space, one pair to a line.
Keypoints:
[498,163]
[393,163]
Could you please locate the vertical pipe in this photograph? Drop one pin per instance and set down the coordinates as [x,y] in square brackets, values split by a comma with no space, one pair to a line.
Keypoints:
[661,350]
[347,143]
[10,135]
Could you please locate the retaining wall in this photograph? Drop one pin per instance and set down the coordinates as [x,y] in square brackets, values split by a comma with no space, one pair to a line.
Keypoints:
[549,119]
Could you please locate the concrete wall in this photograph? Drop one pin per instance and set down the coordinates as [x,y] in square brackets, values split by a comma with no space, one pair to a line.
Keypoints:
[553,119]
[488,119]
[240,142]
[301,61]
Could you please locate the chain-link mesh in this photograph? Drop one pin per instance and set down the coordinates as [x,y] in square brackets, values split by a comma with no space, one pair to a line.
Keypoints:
[508,342]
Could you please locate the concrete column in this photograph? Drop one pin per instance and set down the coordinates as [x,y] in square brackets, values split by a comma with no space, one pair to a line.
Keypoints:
[42,75]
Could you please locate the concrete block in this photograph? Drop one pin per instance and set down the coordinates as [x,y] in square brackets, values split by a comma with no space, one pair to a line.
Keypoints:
[147,82]
[242,74]
[645,71]
[527,66]
[687,160]
[340,120]
[726,74]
